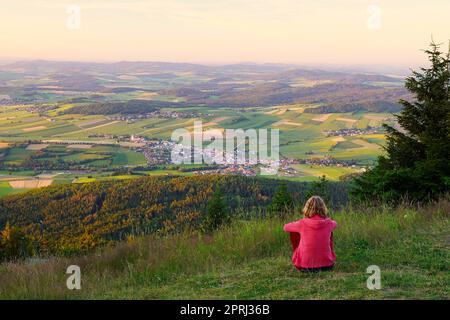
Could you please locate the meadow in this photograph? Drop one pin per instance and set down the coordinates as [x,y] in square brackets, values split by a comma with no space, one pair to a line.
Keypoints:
[250,259]
[45,136]
[301,131]
[43,139]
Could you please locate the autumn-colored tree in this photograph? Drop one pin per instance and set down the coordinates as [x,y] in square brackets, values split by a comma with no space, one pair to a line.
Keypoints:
[14,244]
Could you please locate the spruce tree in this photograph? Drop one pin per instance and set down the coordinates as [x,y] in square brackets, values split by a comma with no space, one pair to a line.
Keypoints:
[319,188]
[416,161]
[216,212]
[282,200]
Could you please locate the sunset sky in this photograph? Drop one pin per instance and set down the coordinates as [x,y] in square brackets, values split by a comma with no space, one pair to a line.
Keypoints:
[384,32]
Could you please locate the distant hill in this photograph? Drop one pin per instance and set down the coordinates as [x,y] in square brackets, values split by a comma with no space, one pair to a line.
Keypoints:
[237,85]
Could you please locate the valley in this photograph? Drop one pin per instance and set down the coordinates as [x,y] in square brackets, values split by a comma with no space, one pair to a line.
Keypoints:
[78,122]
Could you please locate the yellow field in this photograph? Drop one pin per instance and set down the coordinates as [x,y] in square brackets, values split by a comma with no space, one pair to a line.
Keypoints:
[37,147]
[34,128]
[219,119]
[287,122]
[86,129]
[375,117]
[30,184]
[79,146]
[347,120]
[322,118]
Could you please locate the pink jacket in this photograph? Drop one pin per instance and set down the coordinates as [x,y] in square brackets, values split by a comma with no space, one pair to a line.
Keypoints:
[316,244]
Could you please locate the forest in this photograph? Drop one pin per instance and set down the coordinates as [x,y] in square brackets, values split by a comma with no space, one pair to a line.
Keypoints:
[127,107]
[74,218]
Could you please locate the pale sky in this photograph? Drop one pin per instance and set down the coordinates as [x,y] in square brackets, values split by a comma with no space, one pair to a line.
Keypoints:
[385,32]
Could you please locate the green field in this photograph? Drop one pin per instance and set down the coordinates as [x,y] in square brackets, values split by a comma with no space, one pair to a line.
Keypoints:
[94,156]
[302,136]
[331,173]
[6,189]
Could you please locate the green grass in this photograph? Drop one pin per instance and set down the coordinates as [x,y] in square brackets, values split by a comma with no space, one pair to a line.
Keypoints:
[96,156]
[343,145]
[314,171]
[128,158]
[17,155]
[6,189]
[251,260]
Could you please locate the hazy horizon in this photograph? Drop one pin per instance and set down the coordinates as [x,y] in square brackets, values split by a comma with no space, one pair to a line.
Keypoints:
[294,32]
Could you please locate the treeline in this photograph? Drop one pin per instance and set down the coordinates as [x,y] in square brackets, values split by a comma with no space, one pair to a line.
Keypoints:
[126,107]
[341,92]
[73,218]
[369,106]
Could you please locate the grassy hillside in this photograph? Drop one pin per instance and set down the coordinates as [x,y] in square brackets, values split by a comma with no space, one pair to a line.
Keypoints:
[251,260]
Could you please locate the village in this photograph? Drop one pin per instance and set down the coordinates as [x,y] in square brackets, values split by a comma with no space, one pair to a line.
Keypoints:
[354,131]
[159,152]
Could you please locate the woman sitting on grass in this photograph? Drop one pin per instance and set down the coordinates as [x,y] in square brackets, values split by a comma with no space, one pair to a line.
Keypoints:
[312,237]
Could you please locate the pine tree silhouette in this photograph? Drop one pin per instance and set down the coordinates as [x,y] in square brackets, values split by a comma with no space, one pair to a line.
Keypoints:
[282,200]
[216,212]
[416,164]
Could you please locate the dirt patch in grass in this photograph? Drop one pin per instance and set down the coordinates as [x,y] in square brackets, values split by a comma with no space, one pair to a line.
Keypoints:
[347,120]
[36,147]
[322,118]
[79,146]
[288,123]
[34,128]
[375,117]
[30,184]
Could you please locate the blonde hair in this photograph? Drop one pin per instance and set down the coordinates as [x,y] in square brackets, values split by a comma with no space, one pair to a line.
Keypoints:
[315,205]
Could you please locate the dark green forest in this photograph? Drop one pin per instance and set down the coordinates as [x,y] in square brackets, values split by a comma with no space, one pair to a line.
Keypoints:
[126,107]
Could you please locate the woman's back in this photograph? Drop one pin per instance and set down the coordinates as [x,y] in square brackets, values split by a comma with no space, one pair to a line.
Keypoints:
[315,249]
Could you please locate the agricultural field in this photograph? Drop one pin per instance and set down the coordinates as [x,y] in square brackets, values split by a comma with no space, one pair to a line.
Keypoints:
[7,189]
[51,139]
[61,156]
[300,132]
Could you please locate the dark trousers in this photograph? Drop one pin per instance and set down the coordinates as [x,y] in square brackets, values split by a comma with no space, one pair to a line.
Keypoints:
[329,268]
